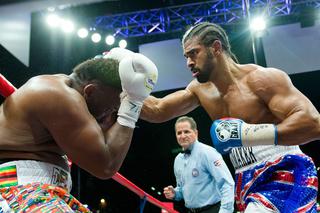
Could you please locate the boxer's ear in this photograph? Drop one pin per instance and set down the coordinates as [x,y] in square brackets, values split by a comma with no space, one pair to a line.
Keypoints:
[217,47]
[88,90]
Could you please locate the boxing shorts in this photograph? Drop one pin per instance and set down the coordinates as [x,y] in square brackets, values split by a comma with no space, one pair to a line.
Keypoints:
[286,184]
[34,186]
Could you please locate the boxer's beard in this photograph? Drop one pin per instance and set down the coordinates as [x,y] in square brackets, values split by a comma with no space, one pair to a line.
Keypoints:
[205,72]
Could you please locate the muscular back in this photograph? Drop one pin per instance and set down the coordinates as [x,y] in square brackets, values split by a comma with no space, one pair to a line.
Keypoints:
[22,134]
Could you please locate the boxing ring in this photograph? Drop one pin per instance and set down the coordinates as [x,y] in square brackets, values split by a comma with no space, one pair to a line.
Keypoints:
[6,89]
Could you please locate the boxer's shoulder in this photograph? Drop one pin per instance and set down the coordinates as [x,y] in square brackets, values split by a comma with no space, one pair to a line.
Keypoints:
[45,92]
[42,82]
[197,88]
[263,75]
[48,85]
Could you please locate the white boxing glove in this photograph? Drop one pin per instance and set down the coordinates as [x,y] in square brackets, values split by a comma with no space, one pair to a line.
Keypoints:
[118,53]
[138,76]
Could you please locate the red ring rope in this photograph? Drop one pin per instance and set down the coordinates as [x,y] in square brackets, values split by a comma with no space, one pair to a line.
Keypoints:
[6,88]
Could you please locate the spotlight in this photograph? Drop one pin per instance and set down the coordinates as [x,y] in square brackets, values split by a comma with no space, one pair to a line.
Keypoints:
[53,20]
[123,43]
[96,37]
[258,24]
[83,32]
[110,40]
[67,26]
[102,201]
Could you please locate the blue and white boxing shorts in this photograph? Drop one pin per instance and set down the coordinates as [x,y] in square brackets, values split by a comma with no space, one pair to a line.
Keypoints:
[288,184]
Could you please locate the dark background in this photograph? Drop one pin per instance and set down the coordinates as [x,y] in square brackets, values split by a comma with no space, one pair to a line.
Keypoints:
[150,158]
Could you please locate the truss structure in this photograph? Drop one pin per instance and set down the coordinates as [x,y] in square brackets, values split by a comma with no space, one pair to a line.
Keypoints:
[176,18]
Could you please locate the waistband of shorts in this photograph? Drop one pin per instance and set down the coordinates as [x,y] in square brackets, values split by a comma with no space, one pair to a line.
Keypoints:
[6,160]
[270,157]
[22,172]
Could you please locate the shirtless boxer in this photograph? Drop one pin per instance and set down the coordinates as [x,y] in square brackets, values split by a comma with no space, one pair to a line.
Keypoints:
[79,115]
[272,111]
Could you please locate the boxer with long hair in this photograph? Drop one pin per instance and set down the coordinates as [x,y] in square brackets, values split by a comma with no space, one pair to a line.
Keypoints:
[264,108]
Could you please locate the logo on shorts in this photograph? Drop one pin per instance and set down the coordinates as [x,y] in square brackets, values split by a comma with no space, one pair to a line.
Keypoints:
[227,130]
[195,172]
[59,177]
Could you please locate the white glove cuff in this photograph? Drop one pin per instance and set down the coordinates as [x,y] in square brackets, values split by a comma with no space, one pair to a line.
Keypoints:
[258,134]
[129,112]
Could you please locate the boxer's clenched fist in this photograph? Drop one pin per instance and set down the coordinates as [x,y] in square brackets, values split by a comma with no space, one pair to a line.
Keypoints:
[138,76]
[169,192]
[228,133]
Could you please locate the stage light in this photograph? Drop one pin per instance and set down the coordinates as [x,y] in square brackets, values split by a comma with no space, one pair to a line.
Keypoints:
[102,201]
[122,43]
[83,32]
[53,20]
[96,37]
[152,188]
[110,40]
[258,24]
[67,26]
